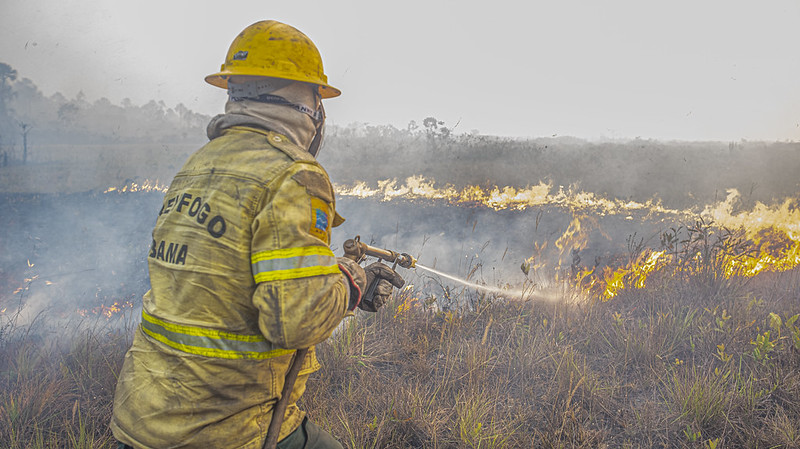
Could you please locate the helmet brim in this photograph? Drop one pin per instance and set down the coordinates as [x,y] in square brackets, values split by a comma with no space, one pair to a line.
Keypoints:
[220,79]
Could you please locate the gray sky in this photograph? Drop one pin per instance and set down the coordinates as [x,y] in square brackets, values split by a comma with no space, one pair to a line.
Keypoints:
[680,69]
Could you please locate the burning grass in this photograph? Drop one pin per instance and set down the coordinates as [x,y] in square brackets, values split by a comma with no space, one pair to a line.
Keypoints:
[657,366]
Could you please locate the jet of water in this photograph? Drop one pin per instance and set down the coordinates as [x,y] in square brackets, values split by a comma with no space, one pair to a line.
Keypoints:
[513,293]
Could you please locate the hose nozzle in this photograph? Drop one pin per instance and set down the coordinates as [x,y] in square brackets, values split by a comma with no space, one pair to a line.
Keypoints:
[356,250]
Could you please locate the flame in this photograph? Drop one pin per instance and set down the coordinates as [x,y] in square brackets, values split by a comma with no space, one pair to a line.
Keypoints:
[772,231]
[770,242]
[146,186]
[498,198]
[106,311]
[495,197]
[576,236]
[26,283]
[633,274]
[405,306]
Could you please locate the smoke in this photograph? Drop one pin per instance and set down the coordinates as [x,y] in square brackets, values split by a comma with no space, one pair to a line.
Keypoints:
[69,258]
[73,253]
[681,174]
[495,248]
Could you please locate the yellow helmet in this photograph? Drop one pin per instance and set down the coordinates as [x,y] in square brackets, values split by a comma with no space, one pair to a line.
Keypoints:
[276,50]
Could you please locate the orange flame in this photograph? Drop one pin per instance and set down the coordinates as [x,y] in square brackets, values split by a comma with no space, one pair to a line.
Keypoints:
[632,275]
[774,230]
[771,243]
[106,311]
[497,198]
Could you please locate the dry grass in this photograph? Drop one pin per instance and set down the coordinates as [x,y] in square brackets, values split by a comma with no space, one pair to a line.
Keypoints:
[54,395]
[665,366]
[655,367]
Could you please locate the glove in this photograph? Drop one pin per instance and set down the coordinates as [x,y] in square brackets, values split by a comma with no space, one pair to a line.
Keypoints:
[386,278]
[357,278]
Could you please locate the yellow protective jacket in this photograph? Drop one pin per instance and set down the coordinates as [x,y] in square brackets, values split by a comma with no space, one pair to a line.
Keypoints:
[241,275]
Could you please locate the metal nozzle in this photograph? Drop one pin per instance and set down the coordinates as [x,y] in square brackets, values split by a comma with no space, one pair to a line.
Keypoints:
[356,249]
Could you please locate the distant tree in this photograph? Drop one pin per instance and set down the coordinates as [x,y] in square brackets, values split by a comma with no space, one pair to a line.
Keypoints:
[26,128]
[435,130]
[431,124]
[58,98]
[28,101]
[68,112]
[58,119]
[412,127]
[7,76]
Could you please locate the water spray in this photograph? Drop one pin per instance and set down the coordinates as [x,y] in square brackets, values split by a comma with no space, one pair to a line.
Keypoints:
[356,250]
[515,293]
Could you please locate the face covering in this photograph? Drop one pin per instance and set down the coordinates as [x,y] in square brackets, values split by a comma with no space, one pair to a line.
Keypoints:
[269,98]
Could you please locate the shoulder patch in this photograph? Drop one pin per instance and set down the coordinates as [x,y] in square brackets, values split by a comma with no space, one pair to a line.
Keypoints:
[320,220]
[316,184]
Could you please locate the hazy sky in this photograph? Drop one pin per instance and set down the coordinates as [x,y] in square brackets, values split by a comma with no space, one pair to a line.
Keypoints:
[680,69]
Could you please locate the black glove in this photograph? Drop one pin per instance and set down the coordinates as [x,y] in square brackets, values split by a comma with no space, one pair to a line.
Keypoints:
[380,279]
[357,277]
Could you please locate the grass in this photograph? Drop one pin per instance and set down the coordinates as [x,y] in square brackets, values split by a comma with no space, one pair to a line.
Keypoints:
[54,396]
[670,365]
[654,367]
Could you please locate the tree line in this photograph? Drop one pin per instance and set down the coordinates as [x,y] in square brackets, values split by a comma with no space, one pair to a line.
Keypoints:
[681,173]
[29,117]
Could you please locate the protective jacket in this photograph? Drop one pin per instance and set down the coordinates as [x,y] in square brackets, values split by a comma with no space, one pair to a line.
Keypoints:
[241,275]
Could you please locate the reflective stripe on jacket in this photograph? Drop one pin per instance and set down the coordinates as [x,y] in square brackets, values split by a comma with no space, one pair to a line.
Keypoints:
[241,275]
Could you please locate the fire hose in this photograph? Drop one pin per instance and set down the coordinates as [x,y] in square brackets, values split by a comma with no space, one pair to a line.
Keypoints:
[355,250]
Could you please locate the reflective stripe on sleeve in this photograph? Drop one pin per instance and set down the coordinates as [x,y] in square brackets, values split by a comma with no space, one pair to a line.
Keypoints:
[293,263]
[209,342]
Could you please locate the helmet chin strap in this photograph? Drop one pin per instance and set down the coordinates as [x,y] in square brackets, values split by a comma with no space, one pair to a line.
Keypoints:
[317,115]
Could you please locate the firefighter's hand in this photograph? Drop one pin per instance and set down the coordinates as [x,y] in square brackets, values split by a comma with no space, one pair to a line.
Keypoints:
[357,277]
[386,279]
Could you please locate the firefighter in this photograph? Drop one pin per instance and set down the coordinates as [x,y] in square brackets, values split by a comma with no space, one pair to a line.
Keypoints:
[241,271]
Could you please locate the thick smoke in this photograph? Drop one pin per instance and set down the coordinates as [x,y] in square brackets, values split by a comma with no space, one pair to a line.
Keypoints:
[71,252]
